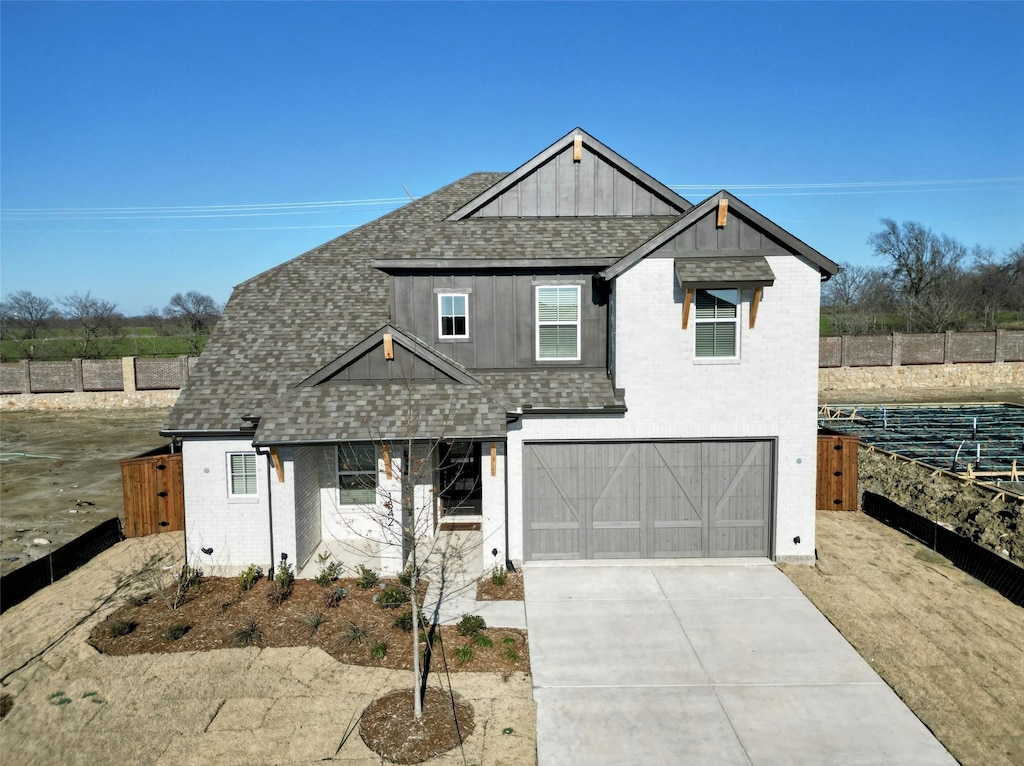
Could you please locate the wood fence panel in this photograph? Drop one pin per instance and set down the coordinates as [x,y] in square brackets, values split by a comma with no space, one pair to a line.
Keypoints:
[154,498]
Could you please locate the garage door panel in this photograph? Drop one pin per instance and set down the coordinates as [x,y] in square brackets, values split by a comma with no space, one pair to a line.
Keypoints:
[648,499]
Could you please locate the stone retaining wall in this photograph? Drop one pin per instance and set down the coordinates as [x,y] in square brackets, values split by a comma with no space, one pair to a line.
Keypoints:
[997,376]
[88,400]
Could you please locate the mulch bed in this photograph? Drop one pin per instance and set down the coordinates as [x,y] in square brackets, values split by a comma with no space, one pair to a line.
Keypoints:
[218,614]
[389,728]
[489,590]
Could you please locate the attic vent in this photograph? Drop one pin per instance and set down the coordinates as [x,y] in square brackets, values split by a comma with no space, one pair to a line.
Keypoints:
[577,148]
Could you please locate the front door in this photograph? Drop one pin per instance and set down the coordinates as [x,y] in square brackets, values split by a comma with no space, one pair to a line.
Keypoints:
[459,479]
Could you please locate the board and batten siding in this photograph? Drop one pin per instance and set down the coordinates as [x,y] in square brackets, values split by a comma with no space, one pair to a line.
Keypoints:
[590,187]
[501,325]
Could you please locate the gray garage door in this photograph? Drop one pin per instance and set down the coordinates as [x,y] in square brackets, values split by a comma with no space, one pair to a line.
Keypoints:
[646,499]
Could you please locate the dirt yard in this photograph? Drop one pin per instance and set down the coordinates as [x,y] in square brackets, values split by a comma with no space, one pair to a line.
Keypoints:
[949,646]
[59,474]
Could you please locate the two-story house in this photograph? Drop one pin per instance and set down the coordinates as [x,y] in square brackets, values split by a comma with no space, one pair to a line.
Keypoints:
[571,356]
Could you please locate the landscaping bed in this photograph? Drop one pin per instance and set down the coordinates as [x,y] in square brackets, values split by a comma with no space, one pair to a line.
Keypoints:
[216,613]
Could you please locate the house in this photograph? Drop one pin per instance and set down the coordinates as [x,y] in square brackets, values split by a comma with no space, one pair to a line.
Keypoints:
[570,356]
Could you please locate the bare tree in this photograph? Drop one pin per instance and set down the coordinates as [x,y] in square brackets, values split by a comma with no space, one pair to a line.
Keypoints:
[22,317]
[96,320]
[195,314]
[924,267]
[398,515]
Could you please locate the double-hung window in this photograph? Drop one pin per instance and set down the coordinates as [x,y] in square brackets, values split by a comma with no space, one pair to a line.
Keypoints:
[717,323]
[357,474]
[453,315]
[241,474]
[558,322]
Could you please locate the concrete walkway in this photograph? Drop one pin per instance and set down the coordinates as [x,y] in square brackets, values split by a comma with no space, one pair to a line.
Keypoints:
[662,662]
[452,584]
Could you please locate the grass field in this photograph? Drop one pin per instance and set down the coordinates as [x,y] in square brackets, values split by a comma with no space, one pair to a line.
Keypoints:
[63,344]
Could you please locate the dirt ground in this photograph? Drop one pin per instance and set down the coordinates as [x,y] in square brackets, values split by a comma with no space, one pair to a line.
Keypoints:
[59,474]
[66,703]
[951,648]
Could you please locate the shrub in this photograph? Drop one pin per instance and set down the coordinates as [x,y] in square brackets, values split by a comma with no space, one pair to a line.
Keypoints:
[188,579]
[508,649]
[334,596]
[405,576]
[404,621]
[482,640]
[120,628]
[470,624]
[329,570]
[392,598]
[313,621]
[379,650]
[464,654]
[367,578]
[354,634]
[249,634]
[174,631]
[499,576]
[249,577]
[284,579]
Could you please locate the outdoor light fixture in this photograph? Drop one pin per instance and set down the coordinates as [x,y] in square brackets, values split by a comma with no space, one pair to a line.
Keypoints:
[795,540]
[284,556]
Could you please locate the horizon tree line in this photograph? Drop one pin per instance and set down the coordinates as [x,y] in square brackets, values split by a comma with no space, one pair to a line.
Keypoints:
[85,326]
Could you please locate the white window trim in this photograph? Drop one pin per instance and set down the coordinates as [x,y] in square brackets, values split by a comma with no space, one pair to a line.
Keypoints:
[337,479]
[440,315]
[577,322]
[735,358]
[250,497]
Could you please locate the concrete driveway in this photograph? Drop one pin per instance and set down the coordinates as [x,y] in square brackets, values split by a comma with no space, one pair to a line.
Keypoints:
[703,663]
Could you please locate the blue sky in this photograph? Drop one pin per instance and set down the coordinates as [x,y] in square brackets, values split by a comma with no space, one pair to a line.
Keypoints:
[151,148]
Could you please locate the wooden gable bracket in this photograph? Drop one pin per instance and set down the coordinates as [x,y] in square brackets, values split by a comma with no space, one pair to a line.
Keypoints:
[389,346]
[494,458]
[577,148]
[723,212]
[275,458]
[385,455]
[686,306]
[754,303]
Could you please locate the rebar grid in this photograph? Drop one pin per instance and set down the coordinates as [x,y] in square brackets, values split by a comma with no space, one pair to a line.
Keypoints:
[977,438]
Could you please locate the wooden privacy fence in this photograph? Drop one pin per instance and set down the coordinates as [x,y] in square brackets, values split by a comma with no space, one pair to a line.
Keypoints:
[837,472]
[154,496]
[995,571]
[24,581]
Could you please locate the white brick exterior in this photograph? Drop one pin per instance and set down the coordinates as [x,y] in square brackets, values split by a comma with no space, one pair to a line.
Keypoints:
[236,528]
[770,392]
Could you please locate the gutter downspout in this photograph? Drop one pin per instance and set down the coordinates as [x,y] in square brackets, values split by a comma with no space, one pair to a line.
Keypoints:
[270,512]
[510,418]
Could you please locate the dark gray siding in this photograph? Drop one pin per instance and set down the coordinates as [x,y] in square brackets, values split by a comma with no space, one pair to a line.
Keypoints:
[590,187]
[705,236]
[501,317]
[373,366]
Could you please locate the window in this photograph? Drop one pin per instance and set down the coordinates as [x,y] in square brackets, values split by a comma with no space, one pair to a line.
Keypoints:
[717,323]
[453,316]
[558,323]
[357,474]
[241,474]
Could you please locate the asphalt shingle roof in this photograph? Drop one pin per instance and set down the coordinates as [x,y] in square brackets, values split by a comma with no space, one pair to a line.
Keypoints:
[283,325]
[741,268]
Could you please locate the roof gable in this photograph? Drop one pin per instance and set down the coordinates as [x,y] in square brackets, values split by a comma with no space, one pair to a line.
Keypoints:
[388,354]
[577,176]
[745,232]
